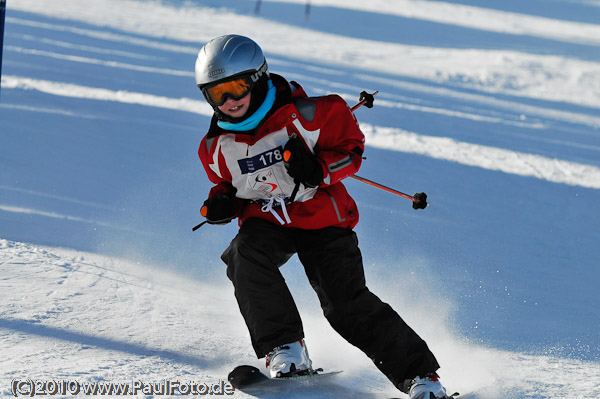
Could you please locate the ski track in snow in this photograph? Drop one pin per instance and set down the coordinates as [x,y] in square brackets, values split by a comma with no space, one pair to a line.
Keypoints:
[102,35]
[473,17]
[546,77]
[117,38]
[75,311]
[54,215]
[72,310]
[553,170]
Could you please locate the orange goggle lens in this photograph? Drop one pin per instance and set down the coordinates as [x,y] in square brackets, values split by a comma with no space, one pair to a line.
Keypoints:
[236,89]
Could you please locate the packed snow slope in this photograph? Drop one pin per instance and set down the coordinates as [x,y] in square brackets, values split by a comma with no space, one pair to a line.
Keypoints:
[493,110]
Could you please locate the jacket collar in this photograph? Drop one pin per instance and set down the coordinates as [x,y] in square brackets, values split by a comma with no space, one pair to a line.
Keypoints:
[284,97]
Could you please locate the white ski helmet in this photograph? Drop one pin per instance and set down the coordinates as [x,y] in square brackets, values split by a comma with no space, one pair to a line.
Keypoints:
[227,56]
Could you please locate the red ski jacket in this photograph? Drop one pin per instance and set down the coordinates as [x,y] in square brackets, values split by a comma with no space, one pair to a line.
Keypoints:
[250,165]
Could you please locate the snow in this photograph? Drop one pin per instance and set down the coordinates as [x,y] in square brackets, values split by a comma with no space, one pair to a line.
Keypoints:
[479,18]
[492,108]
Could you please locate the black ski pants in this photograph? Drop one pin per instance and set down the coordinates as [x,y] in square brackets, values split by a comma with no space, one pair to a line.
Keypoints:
[333,265]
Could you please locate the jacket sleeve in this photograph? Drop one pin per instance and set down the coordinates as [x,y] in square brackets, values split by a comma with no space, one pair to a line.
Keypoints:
[216,170]
[340,145]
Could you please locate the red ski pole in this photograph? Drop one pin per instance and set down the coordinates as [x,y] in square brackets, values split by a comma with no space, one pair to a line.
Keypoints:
[419,199]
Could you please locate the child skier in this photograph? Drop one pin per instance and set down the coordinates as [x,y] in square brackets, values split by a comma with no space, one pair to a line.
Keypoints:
[277,159]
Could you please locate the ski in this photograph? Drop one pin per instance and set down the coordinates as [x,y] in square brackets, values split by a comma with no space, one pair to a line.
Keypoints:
[249,378]
[455,395]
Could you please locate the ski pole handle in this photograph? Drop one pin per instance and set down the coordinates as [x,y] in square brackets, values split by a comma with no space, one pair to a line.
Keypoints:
[366,99]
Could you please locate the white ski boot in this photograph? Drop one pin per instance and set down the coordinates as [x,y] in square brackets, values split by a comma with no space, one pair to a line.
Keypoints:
[427,387]
[289,359]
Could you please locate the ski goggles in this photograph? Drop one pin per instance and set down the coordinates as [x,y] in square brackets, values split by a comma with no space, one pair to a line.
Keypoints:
[235,89]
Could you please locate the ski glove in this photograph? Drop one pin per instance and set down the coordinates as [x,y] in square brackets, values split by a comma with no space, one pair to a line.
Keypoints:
[301,164]
[219,209]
